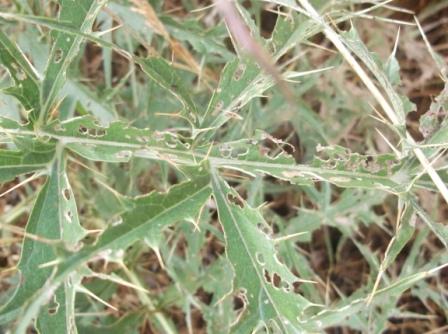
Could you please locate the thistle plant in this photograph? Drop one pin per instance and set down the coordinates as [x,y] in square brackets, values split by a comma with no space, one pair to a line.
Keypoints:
[146,147]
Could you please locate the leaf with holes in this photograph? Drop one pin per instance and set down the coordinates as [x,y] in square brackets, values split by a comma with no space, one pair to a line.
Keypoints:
[333,164]
[151,213]
[241,80]
[26,83]
[118,142]
[264,284]
[78,15]
[53,223]
[30,155]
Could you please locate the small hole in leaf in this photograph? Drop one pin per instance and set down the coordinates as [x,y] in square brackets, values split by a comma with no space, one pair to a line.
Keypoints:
[276,280]
[52,310]
[239,72]
[265,228]
[238,303]
[83,130]
[59,127]
[66,194]
[225,150]
[58,54]
[91,132]
[267,277]
[69,216]
[296,287]
[235,200]
[100,132]
[123,154]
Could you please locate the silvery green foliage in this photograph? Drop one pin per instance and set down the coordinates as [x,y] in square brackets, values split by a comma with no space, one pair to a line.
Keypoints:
[217,136]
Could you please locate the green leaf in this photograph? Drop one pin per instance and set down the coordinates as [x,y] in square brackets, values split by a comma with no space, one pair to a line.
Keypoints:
[203,41]
[241,80]
[265,285]
[151,213]
[26,83]
[403,234]
[79,15]
[118,142]
[334,164]
[54,220]
[64,28]
[336,315]
[93,104]
[128,323]
[165,75]
[14,163]
[357,46]
[31,154]
[439,229]
[430,125]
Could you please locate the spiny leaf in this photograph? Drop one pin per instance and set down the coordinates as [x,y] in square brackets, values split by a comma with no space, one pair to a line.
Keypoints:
[63,28]
[14,163]
[430,126]
[93,104]
[336,315]
[54,220]
[79,15]
[151,213]
[403,234]
[241,80]
[265,285]
[335,165]
[31,154]
[164,75]
[26,83]
[439,229]
[117,142]
[208,42]
[401,104]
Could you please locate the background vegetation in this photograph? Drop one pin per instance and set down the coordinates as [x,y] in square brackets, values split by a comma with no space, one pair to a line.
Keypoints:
[184,166]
